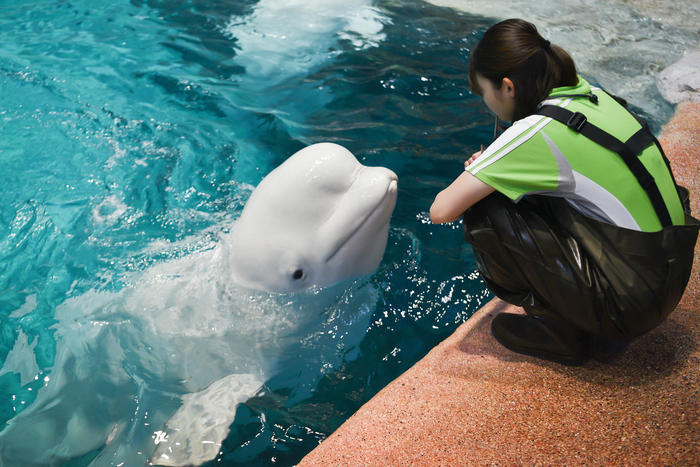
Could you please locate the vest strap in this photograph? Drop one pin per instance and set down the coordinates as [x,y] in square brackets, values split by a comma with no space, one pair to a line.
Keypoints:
[629,151]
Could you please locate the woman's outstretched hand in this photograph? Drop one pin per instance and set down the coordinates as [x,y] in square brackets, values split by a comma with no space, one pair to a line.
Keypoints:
[468,162]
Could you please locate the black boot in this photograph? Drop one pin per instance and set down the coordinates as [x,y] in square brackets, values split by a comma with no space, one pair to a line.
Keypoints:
[549,340]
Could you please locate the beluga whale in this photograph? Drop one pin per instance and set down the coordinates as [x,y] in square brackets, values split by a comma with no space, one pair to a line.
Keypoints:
[153,372]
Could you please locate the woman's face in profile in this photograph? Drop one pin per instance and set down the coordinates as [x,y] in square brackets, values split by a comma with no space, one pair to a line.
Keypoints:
[499,101]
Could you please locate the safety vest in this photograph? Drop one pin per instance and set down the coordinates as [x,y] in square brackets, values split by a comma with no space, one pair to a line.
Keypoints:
[541,155]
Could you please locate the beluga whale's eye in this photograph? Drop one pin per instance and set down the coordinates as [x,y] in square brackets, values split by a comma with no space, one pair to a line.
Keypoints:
[298,274]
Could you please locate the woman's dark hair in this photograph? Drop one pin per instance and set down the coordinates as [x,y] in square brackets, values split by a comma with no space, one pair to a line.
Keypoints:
[514,49]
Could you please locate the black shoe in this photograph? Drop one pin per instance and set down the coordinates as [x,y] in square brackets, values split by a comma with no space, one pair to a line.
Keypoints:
[554,341]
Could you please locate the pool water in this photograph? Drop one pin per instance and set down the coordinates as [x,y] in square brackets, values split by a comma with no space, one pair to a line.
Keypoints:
[132,135]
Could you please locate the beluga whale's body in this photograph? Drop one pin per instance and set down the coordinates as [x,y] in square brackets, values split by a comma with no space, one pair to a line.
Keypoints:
[160,366]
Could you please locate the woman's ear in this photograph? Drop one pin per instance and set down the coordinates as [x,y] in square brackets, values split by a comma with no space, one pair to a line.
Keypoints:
[508,87]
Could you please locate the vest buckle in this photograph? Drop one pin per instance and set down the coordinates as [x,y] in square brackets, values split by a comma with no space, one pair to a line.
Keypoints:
[576,121]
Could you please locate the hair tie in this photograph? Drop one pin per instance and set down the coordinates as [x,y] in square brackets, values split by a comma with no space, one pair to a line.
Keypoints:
[547,44]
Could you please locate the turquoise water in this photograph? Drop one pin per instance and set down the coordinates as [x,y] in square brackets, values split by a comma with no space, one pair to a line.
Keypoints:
[132,135]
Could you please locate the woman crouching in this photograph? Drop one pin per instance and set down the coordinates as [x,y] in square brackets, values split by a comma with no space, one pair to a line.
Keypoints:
[573,212]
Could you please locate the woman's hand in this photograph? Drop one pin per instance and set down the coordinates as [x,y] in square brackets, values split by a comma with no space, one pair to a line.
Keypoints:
[469,161]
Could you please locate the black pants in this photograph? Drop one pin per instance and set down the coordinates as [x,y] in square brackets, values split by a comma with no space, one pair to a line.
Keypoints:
[557,264]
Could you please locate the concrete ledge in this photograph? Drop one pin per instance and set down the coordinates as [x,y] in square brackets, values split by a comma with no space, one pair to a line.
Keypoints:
[471,401]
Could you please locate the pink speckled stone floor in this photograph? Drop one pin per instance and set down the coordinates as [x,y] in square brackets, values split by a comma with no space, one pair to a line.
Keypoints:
[471,401]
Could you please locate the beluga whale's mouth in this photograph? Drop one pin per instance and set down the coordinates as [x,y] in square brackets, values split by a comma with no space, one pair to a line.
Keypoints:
[383,208]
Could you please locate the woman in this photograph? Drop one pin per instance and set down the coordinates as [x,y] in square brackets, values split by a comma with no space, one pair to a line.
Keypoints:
[573,212]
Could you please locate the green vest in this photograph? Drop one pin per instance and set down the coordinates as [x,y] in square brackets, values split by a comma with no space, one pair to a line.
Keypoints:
[537,155]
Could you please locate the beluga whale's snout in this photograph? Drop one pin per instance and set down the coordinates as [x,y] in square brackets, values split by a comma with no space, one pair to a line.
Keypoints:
[317,219]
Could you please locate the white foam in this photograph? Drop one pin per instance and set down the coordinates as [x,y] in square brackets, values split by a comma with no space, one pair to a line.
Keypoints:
[109,210]
[27,307]
[21,360]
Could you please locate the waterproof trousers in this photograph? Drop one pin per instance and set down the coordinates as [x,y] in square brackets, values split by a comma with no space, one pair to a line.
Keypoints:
[562,266]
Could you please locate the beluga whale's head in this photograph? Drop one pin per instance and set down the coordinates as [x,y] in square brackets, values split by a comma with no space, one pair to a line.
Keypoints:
[317,219]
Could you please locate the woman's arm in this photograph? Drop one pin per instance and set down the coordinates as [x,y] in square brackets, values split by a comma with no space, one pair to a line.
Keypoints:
[450,203]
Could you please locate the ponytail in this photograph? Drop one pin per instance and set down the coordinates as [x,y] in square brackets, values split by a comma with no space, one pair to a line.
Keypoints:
[514,49]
